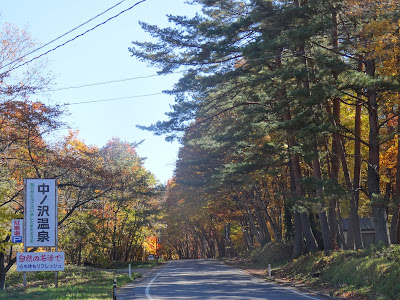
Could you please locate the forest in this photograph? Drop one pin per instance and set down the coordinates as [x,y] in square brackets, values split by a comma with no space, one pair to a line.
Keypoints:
[288,115]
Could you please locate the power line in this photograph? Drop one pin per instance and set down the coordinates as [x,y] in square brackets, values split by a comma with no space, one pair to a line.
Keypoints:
[101,83]
[57,38]
[150,76]
[82,34]
[107,82]
[112,99]
[145,77]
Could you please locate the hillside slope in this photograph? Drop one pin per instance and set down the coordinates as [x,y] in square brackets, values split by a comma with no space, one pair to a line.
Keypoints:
[372,273]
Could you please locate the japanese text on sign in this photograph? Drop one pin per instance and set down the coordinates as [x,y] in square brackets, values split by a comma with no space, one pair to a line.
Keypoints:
[16,230]
[40,213]
[40,261]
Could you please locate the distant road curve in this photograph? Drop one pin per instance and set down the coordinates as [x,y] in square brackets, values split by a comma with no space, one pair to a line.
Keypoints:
[210,279]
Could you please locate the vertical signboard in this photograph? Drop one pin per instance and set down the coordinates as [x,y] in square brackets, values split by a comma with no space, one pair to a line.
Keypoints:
[16,230]
[40,213]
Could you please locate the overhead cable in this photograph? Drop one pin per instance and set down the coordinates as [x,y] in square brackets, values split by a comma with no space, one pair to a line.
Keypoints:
[113,99]
[82,34]
[106,82]
[57,38]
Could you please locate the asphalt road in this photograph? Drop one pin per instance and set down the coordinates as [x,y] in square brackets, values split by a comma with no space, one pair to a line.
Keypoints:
[209,279]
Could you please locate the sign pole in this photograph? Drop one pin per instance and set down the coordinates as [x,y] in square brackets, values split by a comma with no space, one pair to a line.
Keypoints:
[56,273]
[24,224]
[56,247]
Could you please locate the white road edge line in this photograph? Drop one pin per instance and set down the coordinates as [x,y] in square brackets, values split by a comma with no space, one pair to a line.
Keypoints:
[305,295]
[147,291]
[292,289]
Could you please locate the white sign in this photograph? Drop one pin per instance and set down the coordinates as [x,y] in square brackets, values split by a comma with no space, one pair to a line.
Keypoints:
[40,261]
[17,226]
[40,213]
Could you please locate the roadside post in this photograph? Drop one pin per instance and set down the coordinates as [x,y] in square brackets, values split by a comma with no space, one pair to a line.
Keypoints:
[130,272]
[115,290]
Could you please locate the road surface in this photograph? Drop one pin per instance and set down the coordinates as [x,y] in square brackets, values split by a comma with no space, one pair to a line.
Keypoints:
[208,279]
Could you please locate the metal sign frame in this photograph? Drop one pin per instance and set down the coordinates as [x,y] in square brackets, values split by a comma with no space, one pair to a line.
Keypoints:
[41,213]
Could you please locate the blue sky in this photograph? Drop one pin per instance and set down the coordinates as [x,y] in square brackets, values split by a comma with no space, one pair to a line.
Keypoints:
[100,56]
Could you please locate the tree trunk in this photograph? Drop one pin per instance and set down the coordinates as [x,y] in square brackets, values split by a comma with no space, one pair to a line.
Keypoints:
[305,223]
[397,187]
[221,247]
[334,171]
[79,258]
[298,232]
[288,219]
[262,227]
[246,235]
[395,228]
[114,245]
[298,237]
[340,229]
[244,223]
[261,218]
[2,271]
[338,151]
[264,209]
[211,246]
[354,239]
[321,212]
[378,209]
[256,230]
[308,234]
[128,249]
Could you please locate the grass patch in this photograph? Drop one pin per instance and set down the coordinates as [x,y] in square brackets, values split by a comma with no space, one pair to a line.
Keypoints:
[74,283]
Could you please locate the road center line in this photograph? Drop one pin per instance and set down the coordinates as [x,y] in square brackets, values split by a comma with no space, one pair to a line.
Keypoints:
[147,291]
